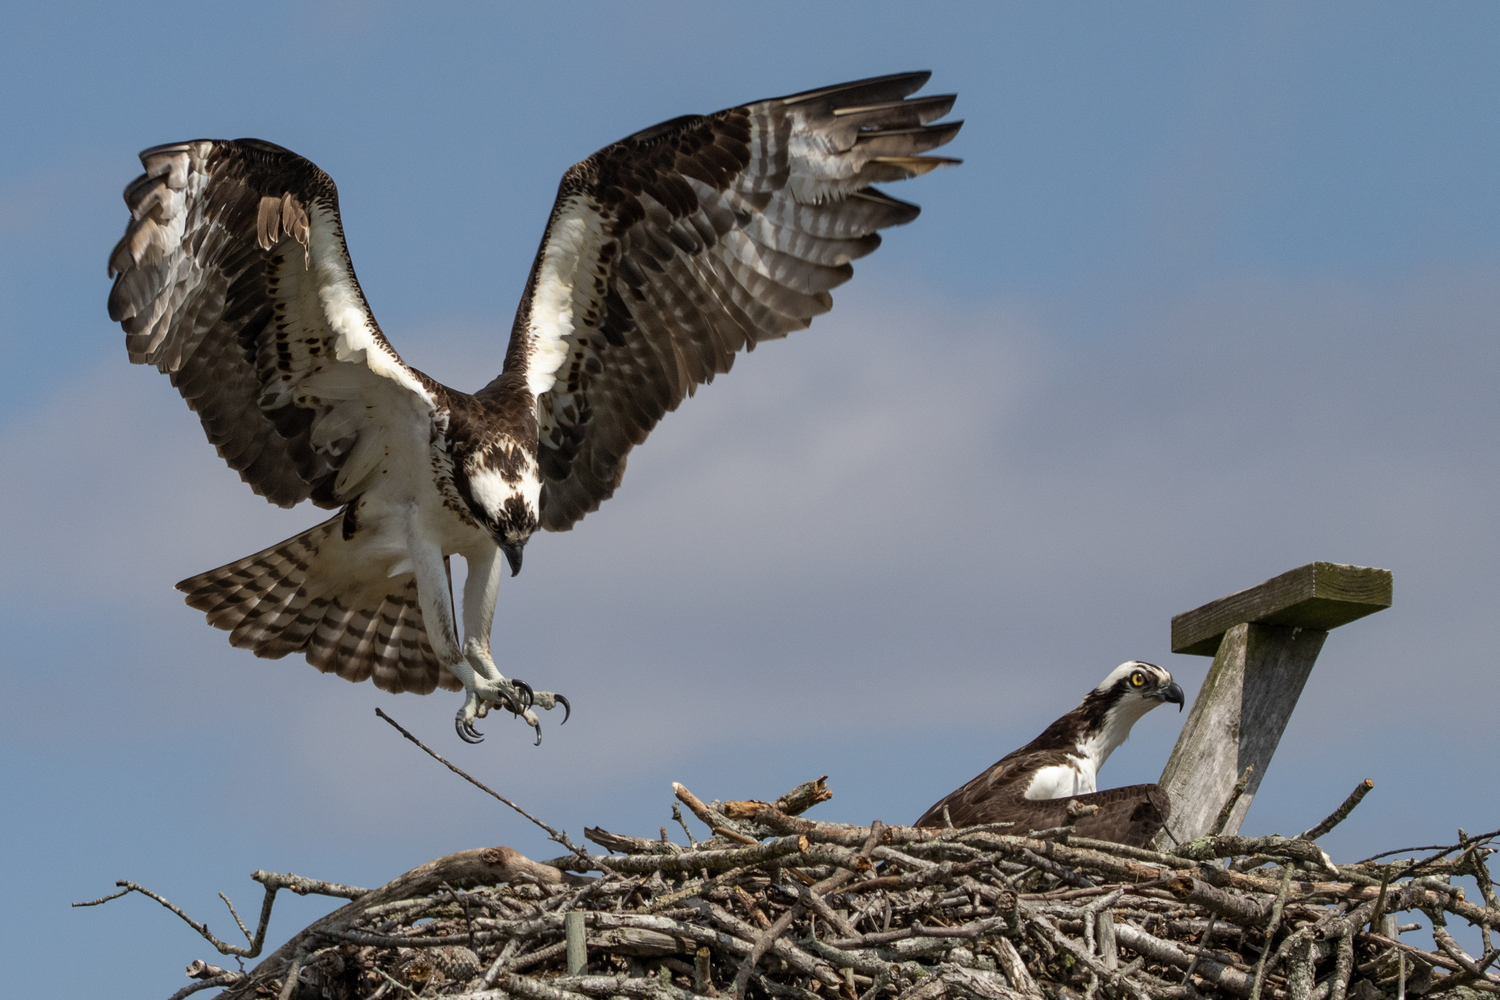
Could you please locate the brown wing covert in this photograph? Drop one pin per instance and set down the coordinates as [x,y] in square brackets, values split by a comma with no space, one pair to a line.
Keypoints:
[670,251]
[223,281]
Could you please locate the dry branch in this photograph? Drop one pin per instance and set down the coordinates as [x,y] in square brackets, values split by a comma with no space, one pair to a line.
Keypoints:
[1341,813]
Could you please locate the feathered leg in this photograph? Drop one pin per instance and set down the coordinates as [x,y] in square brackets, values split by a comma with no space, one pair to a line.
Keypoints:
[435,599]
[481,590]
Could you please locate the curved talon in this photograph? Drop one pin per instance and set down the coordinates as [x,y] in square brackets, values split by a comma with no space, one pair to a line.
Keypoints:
[538,727]
[526,688]
[567,709]
[466,730]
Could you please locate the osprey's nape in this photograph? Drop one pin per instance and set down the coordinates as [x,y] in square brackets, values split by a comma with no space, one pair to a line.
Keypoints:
[1033,786]
[666,254]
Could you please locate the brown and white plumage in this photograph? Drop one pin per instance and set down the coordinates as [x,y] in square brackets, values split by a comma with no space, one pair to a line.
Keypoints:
[265,604]
[233,278]
[665,254]
[1033,786]
[694,239]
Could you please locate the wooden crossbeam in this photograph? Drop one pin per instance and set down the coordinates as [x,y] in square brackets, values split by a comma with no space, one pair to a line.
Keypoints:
[1264,642]
[1320,595]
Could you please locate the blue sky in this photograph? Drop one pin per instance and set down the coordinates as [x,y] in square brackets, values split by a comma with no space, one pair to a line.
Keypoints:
[1214,295]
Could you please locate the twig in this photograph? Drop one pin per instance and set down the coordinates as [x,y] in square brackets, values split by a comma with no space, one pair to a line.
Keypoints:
[1053,868]
[1433,847]
[305,886]
[1208,933]
[1341,813]
[1343,967]
[235,914]
[795,802]
[396,983]
[1445,941]
[1242,910]
[1430,957]
[553,834]
[201,928]
[728,834]
[710,817]
[294,970]
[1481,874]
[226,979]
[716,819]
[1209,848]
[1234,797]
[1276,911]
[692,862]
[498,965]
[801,798]
[1379,912]
[757,915]
[539,955]
[677,815]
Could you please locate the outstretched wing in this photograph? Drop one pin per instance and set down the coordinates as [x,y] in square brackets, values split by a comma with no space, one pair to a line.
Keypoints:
[233,278]
[669,251]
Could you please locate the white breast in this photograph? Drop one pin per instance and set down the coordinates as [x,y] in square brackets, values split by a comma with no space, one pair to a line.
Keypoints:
[1058,781]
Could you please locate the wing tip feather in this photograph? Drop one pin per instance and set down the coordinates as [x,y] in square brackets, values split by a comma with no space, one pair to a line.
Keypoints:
[901,84]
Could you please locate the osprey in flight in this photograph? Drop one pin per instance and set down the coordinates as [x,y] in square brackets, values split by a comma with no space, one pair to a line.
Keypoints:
[665,254]
[1033,786]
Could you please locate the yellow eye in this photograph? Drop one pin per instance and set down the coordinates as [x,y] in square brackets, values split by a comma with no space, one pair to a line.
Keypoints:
[1137,679]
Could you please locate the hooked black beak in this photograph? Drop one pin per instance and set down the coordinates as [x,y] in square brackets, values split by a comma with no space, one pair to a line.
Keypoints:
[1171,693]
[512,552]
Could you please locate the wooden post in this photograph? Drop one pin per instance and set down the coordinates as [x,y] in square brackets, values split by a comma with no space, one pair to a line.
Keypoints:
[1264,642]
[573,935]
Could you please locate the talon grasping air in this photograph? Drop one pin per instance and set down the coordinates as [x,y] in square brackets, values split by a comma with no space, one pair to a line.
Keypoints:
[525,689]
[516,696]
[666,254]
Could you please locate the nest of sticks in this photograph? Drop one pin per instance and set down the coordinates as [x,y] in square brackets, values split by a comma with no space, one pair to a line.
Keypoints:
[775,905]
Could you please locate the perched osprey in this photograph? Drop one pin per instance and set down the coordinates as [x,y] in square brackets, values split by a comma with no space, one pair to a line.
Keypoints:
[1032,786]
[665,254]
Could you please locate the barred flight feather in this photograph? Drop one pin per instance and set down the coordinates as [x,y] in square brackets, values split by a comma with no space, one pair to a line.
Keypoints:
[267,605]
[712,233]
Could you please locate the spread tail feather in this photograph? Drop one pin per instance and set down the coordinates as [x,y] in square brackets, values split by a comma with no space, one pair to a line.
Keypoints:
[268,604]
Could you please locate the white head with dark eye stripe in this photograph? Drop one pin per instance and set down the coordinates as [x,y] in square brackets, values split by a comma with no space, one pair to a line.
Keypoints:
[503,496]
[1131,690]
[1143,679]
